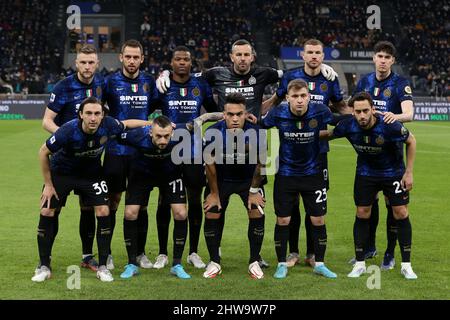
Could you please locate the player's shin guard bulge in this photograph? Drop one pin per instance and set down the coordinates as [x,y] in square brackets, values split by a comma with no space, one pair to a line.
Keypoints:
[281,236]
[211,239]
[103,239]
[179,240]
[255,237]
[45,239]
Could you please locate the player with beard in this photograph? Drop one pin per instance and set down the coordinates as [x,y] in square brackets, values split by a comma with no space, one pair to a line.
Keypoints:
[129,94]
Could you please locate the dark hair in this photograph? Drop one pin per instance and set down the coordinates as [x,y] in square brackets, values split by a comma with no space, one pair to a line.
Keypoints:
[133,44]
[385,46]
[235,98]
[92,100]
[297,84]
[243,42]
[162,121]
[360,96]
[87,49]
[182,49]
[313,42]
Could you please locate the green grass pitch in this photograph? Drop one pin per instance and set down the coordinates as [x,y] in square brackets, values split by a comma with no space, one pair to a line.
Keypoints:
[21,183]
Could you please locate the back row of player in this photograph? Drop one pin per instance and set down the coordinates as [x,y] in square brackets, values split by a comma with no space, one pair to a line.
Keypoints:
[129,93]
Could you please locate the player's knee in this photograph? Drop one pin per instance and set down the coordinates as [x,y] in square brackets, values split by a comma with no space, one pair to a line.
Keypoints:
[211,215]
[47,212]
[400,212]
[318,221]
[101,211]
[179,212]
[363,212]
[283,221]
[131,213]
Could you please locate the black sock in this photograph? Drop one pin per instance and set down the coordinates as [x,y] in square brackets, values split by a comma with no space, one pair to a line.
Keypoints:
[294,228]
[391,231]
[195,216]
[255,237]
[360,237]
[162,224]
[221,225]
[309,235]
[281,236]
[142,230]
[112,218]
[130,234]
[373,224]
[87,229]
[211,239]
[405,238]
[103,239]
[45,239]
[112,215]
[320,242]
[179,240]
[55,225]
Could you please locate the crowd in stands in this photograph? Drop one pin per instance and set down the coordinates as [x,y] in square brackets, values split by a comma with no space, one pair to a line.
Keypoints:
[207,27]
[427,43]
[25,55]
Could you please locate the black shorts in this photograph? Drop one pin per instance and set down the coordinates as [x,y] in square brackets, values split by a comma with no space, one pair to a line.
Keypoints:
[194,176]
[117,170]
[323,159]
[93,190]
[366,189]
[228,188]
[140,185]
[311,188]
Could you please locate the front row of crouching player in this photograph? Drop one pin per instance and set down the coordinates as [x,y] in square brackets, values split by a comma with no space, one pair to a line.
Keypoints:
[232,150]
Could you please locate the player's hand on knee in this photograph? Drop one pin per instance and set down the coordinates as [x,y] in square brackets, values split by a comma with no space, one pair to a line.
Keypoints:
[256,199]
[407,181]
[328,72]
[212,200]
[47,194]
[163,81]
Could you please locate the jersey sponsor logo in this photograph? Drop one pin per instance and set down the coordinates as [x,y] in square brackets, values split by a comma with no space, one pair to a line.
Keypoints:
[379,103]
[173,103]
[196,92]
[387,93]
[239,90]
[376,91]
[379,140]
[91,153]
[133,98]
[183,92]
[89,93]
[324,87]
[317,97]
[52,97]
[367,149]
[408,90]
[252,80]
[313,123]
[134,88]
[311,86]
[298,134]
